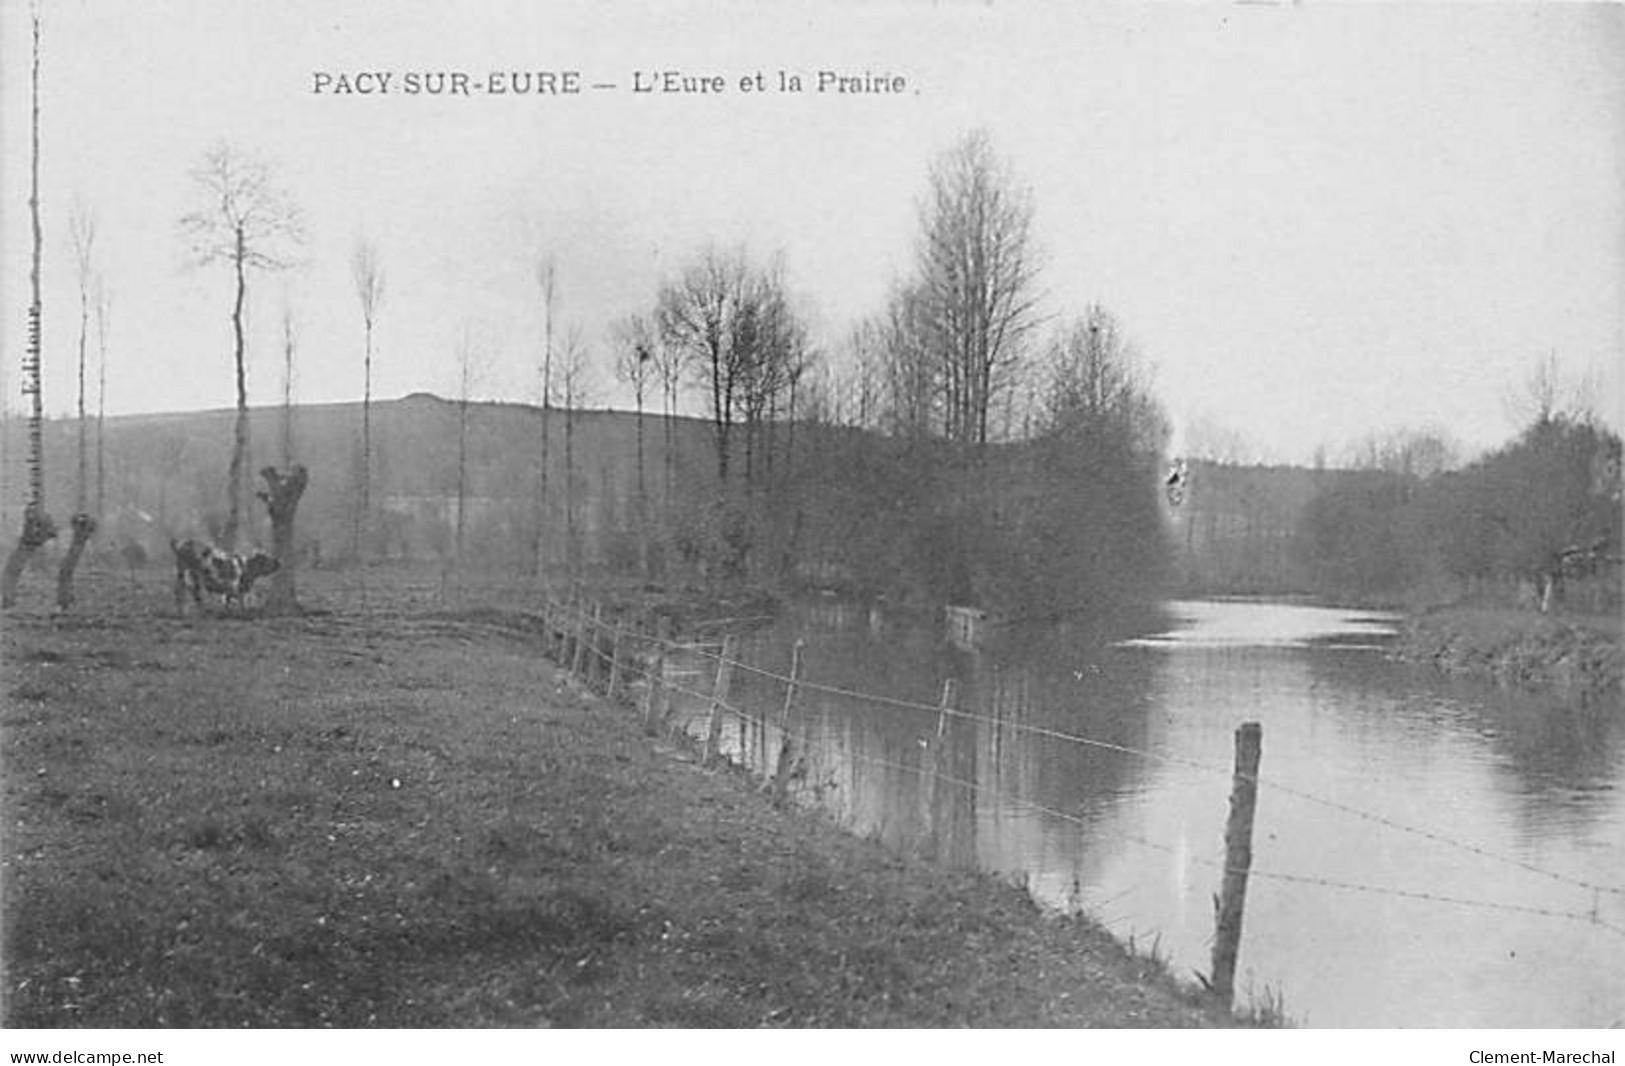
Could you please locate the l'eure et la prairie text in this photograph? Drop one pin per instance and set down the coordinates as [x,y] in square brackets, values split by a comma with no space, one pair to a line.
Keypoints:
[651,82]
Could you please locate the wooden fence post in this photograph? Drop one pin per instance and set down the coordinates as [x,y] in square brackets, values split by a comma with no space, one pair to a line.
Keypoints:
[786,760]
[580,645]
[1238,860]
[614,661]
[595,663]
[561,641]
[719,696]
[936,755]
[657,675]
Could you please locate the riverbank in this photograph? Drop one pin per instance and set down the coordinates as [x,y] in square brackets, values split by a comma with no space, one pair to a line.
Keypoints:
[412,819]
[1577,653]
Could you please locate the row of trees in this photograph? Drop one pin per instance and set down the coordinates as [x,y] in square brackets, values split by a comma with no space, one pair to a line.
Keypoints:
[1524,521]
[953,453]
[953,428]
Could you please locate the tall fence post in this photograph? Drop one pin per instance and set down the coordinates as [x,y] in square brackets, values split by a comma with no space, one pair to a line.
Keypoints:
[787,754]
[719,696]
[580,642]
[1238,860]
[613,687]
[936,755]
[657,675]
[595,662]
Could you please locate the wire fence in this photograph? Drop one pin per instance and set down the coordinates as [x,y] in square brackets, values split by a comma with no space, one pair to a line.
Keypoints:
[770,739]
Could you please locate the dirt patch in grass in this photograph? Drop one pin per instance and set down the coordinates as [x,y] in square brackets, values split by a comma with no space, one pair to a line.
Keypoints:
[416,820]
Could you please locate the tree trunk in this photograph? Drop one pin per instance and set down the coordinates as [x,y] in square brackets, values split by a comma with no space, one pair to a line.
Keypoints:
[570,490]
[239,447]
[282,501]
[37,525]
[37,529]
[364,512]
[84,527]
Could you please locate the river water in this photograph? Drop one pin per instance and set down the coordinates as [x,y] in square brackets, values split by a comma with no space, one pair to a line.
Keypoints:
[1427,851]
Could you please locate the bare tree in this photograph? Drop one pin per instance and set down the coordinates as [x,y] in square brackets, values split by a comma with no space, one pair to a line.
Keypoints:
[37,525]
[668,363]
[369,287]
[635,364]
[1535,401]
[977,279]
[733,324]
[469,359]
[913,367]
[773,344]
[82,231]
[547,287]
[573,384]
[696,316]
[290,341]
[104,312]
[1098,385]
[247,222]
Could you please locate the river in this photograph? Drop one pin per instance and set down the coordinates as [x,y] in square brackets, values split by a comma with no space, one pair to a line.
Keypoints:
[1428,851]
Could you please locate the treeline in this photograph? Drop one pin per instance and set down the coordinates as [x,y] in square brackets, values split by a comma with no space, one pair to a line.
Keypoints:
[950,453]
[1537,521]
[959,444]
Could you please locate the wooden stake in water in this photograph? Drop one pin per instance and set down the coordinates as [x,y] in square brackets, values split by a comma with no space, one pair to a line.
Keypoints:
[1238,860]
[719,696]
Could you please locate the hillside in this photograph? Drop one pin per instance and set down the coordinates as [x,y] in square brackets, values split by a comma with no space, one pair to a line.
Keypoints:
[165,474]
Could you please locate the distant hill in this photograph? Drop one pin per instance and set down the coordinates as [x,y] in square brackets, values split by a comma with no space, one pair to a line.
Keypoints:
[165,474]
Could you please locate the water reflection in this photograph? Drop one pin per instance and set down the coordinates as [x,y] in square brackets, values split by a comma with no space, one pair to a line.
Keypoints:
[1388,790]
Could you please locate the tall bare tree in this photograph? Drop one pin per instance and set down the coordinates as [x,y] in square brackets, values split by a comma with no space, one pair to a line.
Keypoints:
[573,383]
[472,359]
[547,287]
[290,342]
[82,231]
[369,286]
[977,279]
[37,525]
[773,343]
[696,313]
[668,362]
[248,223]
[733,325]
[635,364]
[104,313]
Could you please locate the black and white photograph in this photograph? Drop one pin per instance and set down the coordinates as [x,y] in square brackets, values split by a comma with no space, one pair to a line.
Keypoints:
[853,516]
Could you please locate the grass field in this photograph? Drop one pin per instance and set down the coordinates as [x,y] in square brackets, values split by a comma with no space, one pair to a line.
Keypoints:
[1581,653]
[400,814]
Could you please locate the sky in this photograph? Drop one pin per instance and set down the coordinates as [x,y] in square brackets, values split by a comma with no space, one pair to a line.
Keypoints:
[1317,223]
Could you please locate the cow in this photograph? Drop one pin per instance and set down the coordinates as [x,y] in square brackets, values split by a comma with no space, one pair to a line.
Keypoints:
[201,568]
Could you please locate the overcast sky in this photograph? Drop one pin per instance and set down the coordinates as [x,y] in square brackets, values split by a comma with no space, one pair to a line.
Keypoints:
[1316,222]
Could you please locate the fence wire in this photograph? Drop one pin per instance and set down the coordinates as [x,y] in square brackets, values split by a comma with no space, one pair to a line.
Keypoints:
[713,652]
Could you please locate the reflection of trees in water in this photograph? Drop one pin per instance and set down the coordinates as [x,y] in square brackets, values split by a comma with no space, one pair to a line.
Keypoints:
[1565,755]
[1058,686]
[884,770]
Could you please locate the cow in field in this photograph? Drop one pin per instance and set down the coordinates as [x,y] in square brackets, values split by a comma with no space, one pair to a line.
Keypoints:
[201,568]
